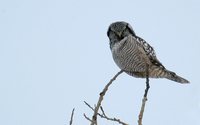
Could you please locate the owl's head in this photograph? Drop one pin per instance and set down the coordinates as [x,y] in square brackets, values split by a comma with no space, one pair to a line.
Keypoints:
[119,30]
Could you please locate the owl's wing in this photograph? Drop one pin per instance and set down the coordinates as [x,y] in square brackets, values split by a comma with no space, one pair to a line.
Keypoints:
[149,52]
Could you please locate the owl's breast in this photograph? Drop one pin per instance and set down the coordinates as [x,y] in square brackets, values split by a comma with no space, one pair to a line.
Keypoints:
[127,56]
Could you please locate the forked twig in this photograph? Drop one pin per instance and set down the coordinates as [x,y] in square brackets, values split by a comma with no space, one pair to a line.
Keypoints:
[87,117]
[103,115]
[94,117]
[96,109]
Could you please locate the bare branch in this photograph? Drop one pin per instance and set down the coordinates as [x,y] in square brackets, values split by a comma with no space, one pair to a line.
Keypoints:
[94,117]
[72,115]
[103,115]
[96,109]
[145,97]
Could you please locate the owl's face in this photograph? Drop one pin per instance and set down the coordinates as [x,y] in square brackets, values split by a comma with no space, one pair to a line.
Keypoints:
[118,30]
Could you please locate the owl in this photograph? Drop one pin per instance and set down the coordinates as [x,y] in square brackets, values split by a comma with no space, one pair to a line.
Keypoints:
[134,55]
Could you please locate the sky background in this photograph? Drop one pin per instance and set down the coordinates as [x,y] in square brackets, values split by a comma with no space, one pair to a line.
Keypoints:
[55,54]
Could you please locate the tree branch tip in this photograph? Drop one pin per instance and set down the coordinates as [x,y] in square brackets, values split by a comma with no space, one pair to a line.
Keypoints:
[72,115]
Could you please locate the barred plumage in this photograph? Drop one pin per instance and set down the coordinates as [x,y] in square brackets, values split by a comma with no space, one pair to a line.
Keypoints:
[132,54]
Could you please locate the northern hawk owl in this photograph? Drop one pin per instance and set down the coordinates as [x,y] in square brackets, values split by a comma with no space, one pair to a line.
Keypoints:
[133,54]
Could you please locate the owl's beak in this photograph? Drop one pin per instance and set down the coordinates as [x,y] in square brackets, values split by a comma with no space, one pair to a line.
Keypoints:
[119,34]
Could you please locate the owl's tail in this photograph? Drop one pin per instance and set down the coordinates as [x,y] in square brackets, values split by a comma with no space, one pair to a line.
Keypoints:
[172,76]
[158,72]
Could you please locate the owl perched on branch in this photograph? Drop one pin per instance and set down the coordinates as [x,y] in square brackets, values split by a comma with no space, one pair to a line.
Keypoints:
[132,54]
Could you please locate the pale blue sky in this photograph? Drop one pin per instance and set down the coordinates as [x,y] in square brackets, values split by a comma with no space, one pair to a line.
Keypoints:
[55,55]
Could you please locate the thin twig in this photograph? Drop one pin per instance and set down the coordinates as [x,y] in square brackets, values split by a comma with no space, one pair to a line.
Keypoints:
[145,97]
[94,117]
[87,117]
[89,106]
[103,115]
[72,115]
